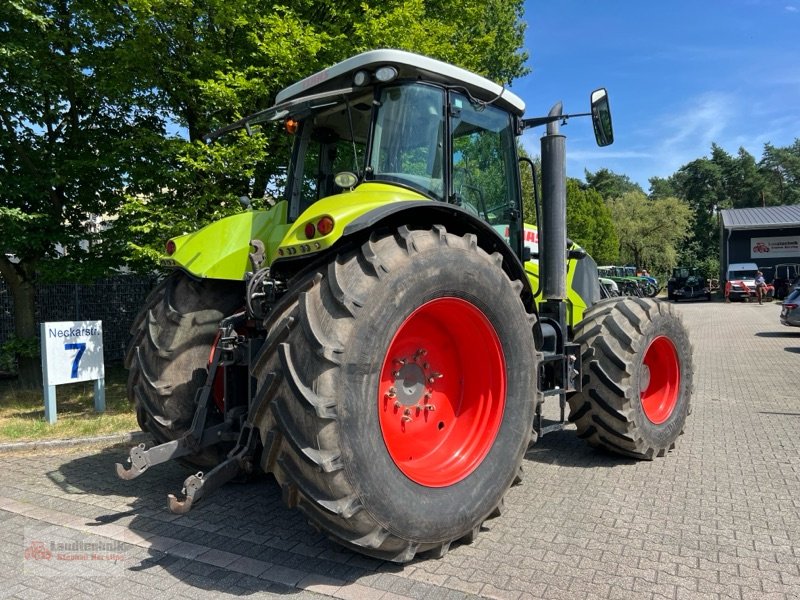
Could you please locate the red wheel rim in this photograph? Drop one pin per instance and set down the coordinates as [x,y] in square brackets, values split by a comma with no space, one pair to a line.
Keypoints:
[442,392]
[660,380]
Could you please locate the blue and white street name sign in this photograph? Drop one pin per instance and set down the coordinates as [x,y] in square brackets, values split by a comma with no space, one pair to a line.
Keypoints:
[72,351]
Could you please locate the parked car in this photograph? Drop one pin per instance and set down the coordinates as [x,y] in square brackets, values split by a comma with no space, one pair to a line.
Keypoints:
[687,283]
[790,309]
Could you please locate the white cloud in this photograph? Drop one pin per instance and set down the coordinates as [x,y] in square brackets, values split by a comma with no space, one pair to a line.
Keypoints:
[792,9]
[699,122]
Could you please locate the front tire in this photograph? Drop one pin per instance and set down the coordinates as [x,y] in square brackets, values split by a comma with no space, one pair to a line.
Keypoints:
[402,377]
[637,377]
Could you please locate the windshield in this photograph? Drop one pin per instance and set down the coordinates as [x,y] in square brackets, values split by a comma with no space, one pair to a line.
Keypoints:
[745,274]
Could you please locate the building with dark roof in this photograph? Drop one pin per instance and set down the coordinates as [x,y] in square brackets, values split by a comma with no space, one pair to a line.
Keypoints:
[767,236]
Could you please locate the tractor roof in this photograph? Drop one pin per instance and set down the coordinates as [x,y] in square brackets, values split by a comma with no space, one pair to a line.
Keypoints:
[409,66]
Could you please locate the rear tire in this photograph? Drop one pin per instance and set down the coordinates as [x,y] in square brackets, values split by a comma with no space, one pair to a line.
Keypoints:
[168,354]
[637,377]
[349,358]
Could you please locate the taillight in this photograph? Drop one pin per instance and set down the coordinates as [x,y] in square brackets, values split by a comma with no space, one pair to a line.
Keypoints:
[790,306]
[325,225]
[310,230]
[171,247]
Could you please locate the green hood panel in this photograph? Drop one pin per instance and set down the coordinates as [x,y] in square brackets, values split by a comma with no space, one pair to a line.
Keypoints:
[221,249]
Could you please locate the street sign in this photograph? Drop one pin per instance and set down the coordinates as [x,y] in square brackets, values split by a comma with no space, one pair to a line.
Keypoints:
[72,351]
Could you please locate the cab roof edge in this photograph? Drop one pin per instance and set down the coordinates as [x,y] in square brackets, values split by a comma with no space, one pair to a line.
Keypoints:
[409,65]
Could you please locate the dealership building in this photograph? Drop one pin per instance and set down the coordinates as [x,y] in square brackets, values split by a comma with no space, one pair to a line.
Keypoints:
[766,236]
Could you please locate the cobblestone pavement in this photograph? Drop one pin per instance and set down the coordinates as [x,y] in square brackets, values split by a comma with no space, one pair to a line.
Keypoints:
[719,517]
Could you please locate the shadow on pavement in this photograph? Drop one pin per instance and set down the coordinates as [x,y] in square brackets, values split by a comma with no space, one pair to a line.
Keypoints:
[564,448]
[778,334]
[248,520]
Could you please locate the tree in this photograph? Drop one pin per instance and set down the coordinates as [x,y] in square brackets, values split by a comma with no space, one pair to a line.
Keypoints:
[609,184]
[661,188]
[700,183]
[780,170]
[65,141]
[650,231]
[204,64]
[104,105]
[589,223]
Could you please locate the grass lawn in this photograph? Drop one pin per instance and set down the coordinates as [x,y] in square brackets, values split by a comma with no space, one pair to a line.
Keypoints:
[22,411]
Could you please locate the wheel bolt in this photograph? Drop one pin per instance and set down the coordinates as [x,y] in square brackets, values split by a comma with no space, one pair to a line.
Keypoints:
[391,393]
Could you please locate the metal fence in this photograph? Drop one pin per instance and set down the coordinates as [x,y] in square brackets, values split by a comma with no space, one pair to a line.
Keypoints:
[114,301]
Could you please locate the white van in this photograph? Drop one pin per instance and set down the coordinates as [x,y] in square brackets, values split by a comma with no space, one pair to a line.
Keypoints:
[740,281]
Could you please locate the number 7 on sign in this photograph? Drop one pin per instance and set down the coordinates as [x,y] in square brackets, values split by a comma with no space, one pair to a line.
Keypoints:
[81,348]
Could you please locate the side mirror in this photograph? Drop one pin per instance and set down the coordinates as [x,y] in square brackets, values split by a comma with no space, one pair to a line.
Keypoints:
[601,118]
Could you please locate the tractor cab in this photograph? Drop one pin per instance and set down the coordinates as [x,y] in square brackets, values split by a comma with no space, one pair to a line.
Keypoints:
[388,126]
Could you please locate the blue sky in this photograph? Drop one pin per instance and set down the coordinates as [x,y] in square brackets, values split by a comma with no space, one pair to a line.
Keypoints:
[680,76]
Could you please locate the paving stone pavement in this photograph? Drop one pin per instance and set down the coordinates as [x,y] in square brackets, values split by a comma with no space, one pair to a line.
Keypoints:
[719,517]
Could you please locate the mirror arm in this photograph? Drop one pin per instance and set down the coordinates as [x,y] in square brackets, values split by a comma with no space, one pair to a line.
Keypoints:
[537,121]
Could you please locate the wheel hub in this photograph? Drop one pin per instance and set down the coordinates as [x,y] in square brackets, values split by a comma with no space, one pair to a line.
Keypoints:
[410,384]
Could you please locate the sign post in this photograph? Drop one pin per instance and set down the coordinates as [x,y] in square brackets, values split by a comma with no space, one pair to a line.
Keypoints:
[72,351]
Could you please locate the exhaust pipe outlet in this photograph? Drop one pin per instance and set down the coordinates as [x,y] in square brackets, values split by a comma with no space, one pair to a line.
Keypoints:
[553,234]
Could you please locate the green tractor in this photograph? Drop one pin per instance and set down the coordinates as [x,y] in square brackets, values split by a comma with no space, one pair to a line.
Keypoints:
[628,285]
[382,339]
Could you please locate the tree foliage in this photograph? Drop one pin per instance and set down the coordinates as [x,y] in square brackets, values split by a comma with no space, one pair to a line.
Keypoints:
[609,184]
[104,105]
[650,231]
[589,223]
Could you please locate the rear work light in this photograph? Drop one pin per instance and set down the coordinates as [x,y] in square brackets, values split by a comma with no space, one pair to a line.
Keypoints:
[325,225]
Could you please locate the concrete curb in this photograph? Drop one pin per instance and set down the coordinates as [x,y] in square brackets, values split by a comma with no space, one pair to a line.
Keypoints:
[118,438]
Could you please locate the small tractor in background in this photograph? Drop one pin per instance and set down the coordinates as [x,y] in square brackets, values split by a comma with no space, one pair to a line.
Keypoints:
[687,283]
[382,340]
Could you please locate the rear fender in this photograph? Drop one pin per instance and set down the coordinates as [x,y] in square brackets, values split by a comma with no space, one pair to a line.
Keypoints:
[412,213]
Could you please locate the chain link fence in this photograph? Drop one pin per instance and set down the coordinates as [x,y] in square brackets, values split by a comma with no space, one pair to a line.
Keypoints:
[115,301]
